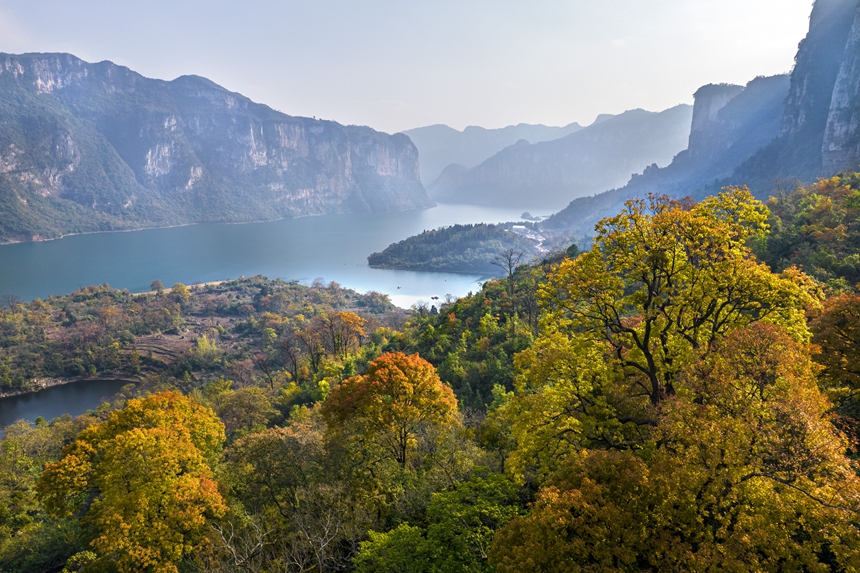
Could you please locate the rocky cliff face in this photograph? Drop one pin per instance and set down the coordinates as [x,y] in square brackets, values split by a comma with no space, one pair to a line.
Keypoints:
[841,147]
[815,133]
[797,152]
[709,100]
[550,173]
[97,146]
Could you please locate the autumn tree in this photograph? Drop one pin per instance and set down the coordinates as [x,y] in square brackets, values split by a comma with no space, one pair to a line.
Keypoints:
[286,477]
[664,280]
[397,404]
[180,292]
[342,332]
[746,473]
[836,331]
[663,283]
[142,482]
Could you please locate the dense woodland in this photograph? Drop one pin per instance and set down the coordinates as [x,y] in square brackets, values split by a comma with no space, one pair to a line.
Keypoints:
[680,397]
[458,248]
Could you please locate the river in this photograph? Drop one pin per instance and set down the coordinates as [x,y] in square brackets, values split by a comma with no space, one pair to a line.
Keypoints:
[331,247]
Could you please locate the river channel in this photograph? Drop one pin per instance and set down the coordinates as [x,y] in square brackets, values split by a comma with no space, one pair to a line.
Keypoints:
[331,247]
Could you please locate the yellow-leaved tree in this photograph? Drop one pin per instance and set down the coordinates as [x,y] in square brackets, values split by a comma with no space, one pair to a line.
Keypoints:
[141,482]
[662,283]
[745,473]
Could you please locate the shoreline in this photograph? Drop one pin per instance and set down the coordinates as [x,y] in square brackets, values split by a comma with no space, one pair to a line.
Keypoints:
[45,383]
[180,225]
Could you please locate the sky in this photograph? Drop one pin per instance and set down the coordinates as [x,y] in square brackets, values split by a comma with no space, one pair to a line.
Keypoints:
[399,64]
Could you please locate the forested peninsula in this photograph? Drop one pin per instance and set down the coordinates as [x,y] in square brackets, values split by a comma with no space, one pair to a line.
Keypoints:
[461,248]
[679,397]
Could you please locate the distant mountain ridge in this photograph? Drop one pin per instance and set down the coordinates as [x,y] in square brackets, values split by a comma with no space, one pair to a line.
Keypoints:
[94,147]
[549,174]
[798,127]
[440,146]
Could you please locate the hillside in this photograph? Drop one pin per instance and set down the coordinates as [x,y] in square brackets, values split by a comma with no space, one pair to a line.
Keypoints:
[558,416]
[549,174]
[93,147]
[460,248]
[440,145]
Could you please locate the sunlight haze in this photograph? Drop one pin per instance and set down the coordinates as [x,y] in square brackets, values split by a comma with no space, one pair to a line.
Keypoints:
[399,65]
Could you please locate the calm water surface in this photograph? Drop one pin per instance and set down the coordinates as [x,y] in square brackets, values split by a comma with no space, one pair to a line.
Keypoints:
[74,399]
[332,247]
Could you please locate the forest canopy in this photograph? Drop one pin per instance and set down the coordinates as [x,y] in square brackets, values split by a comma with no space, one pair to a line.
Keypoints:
[676,398]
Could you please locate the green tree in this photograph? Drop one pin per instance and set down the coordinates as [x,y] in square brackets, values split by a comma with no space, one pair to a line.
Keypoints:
[461,523]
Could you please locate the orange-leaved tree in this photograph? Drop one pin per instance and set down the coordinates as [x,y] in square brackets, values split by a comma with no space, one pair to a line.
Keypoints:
[836,331]
[142,482]
[399,402]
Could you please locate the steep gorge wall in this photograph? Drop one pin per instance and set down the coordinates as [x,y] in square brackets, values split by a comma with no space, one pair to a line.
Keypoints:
[708,101]
[841,146]
[98,146]
[797,152]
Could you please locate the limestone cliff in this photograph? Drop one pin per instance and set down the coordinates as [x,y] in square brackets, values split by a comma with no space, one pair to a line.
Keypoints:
[841,147]
[705,130]
[87,147]
[797,152]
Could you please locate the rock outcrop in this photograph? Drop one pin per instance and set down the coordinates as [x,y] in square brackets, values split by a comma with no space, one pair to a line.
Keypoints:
[797,152]
[816,133]
[705,131]
[89,147]
[841,146]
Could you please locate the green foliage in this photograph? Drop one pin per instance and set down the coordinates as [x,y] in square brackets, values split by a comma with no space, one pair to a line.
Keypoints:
[648,405]
[403,549]
[459,248]
[461,523]
[817,228]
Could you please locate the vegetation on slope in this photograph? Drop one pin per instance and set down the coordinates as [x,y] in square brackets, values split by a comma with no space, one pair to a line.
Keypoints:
[459,248]
[652,404]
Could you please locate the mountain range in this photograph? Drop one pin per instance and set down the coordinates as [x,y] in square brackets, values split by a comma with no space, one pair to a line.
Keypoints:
[440,145]
[94,147]
[548,174]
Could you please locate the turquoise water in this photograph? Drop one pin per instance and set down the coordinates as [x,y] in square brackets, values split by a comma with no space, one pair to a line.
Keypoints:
[331,247]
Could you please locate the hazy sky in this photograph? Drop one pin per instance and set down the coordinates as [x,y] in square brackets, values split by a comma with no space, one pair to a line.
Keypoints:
[407,63]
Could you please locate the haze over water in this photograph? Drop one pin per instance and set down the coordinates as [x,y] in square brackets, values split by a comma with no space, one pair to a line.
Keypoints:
[331,247]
